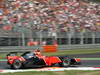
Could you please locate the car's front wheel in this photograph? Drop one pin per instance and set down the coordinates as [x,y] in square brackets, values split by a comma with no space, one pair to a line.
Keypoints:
[65,63]
[16,64]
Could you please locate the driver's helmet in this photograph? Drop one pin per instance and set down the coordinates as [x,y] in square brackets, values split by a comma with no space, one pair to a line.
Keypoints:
[37,52]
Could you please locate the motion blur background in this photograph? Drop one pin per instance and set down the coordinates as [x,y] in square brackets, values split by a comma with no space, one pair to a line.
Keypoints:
[40,22]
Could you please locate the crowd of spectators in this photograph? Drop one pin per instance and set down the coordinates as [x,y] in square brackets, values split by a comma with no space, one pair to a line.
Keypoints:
[53,15]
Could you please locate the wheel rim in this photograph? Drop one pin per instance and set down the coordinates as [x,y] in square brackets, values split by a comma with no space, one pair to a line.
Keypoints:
[66,62]
[17,64]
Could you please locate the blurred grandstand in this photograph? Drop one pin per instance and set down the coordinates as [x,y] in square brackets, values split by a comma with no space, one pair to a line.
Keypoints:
[69,22]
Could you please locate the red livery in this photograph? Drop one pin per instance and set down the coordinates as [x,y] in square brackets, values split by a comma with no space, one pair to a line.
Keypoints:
[35,59]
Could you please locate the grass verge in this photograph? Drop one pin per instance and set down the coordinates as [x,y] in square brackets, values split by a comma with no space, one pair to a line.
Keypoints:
[60,52]
[56,73]
[71,52]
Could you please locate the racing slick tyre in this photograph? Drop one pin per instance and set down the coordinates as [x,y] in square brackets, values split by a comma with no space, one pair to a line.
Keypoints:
[65,63]
[16,65]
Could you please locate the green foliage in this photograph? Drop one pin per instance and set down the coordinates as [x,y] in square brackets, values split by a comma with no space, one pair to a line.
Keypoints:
[95,0]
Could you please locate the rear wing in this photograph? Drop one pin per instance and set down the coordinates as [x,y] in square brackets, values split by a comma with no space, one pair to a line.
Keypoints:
[12,54]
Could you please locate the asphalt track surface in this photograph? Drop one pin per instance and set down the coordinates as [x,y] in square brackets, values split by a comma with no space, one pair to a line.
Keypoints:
[85,63]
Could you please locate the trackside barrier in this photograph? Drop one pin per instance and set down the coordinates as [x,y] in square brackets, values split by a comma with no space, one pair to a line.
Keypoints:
[60,47]
[18,48]
[79,47]
[49,48]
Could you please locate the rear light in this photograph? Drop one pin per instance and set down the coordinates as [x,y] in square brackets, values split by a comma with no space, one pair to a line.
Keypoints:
[10,60]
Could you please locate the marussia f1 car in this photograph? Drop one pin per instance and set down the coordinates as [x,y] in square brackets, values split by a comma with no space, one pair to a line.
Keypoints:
[35,59]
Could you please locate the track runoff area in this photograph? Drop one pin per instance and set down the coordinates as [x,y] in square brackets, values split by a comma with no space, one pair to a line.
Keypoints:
[89,63]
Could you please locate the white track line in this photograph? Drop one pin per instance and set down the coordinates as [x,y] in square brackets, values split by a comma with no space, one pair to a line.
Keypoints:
[49,69]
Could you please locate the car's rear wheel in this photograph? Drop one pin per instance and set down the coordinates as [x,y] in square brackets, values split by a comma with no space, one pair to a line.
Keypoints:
[17,64]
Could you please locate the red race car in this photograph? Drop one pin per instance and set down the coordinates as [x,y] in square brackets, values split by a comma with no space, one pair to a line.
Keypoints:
[35,59]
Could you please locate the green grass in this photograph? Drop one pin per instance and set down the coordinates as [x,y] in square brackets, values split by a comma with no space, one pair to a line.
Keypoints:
[56,73]
[96,0]
[71,52]
[61,52]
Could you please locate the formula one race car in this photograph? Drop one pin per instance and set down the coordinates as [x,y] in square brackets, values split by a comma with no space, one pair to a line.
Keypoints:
[35,59]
